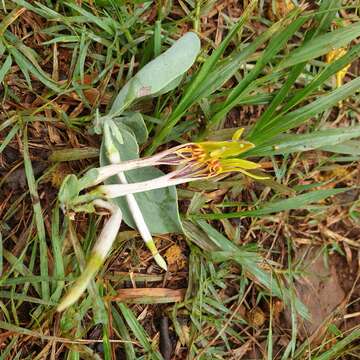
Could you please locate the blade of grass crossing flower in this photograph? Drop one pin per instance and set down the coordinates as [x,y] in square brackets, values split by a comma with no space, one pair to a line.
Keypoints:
[188,97]
[330,70]
[139,332]
[267,118]
[39,220]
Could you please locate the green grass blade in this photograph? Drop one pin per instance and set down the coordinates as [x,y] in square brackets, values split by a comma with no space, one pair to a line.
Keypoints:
[9,137]
[323,21]
[21,297]
[296,202]
[339,346]
[290,143]
[56,243]
[138,331]
[295,118]
[6,66]
[39,220]
[229,66]
[321,45]
[204,72]
[26,66]
[120,326]
[99,21]
[330,70]
[325,15]
[9,19]
[1,254]
[275,45]
[351,147]
[250,260]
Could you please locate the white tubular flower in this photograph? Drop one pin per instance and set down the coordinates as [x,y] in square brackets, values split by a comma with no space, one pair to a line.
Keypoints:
[98,254]
[177,156]
[194,161]
[194,171]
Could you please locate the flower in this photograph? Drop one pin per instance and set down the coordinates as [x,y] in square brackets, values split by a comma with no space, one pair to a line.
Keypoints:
[335,55]
[196,161]
[201,160]
[193,161]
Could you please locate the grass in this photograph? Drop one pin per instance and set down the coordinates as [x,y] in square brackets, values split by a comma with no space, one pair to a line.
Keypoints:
[63,62]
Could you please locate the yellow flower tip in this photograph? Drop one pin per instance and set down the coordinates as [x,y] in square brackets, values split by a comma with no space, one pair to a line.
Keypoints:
[336,54]
[237,134]
[229,165]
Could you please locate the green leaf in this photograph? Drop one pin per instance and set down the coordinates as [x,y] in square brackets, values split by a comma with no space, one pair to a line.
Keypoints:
[321,45]
[139,332]
[39,218]
[296,202]
[340,346]
[69,189]
[159,207]
[120,326]
[289,143]
[159,74]
[295,118]
[5,68]
[135,121]
[281,96]
[351,147]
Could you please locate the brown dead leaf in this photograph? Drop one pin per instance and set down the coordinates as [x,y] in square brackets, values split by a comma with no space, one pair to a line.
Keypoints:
[149,295]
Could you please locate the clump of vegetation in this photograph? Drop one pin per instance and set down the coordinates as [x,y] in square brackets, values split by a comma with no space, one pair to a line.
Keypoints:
[257,126]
